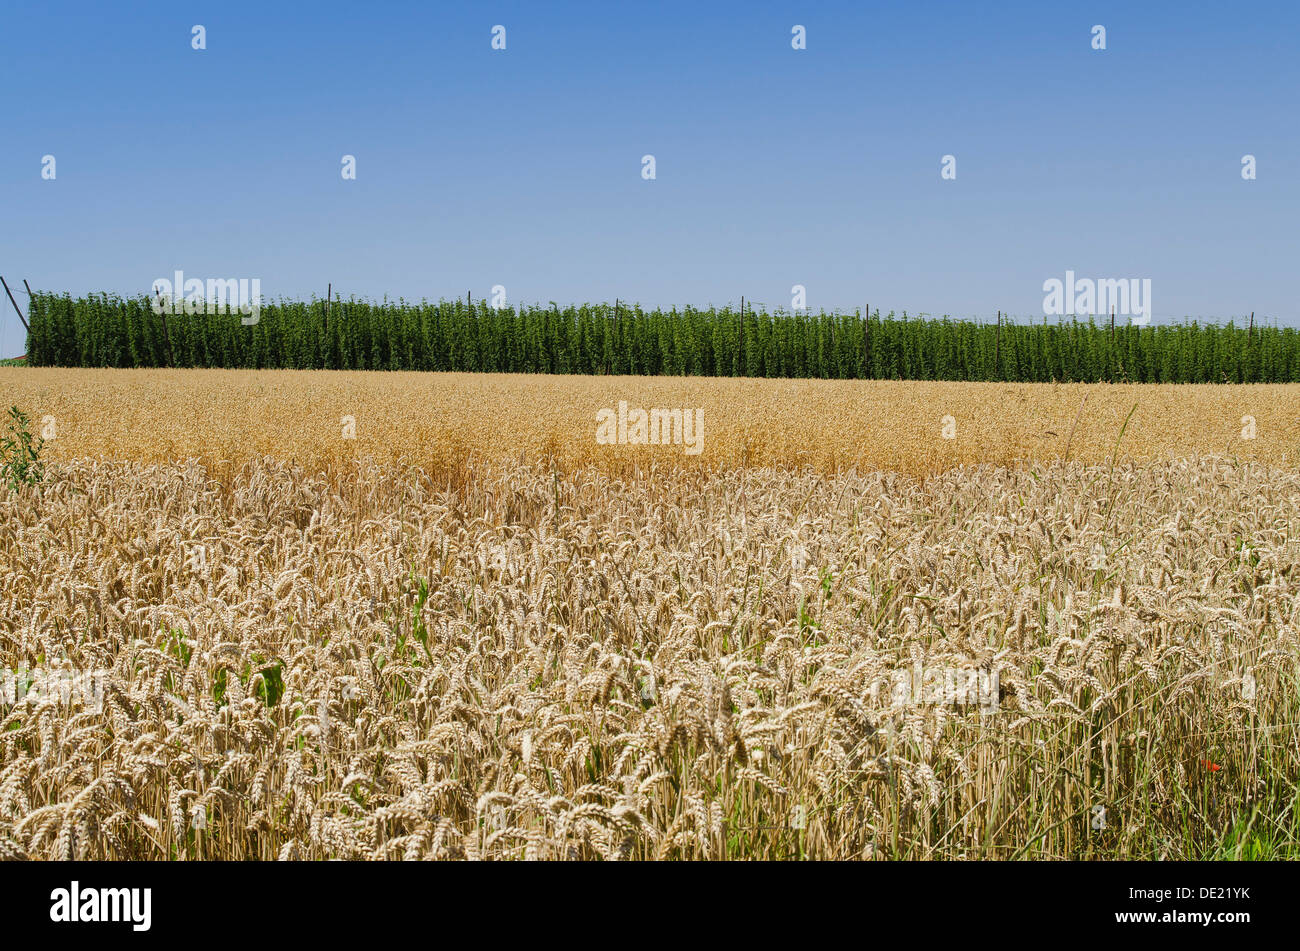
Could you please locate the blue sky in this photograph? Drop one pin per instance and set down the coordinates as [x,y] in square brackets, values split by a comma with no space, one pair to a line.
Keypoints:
[775,167]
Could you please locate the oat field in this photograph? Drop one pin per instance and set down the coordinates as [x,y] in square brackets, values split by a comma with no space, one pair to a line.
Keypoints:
[467,633]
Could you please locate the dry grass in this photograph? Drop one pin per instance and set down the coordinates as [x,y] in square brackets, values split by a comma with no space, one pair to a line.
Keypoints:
[227,417]
[521,662]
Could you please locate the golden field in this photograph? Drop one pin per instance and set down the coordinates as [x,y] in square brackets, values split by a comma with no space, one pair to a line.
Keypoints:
[473,632]
[434,420]
[1078,662]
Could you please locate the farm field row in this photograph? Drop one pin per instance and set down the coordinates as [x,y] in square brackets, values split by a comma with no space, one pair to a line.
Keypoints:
[443,419]
[383,615]
[618,339]
[1083,662]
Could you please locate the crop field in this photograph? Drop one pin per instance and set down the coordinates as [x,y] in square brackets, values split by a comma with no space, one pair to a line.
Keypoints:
[103,330]
[320,614]
[440,420]
[1063,662]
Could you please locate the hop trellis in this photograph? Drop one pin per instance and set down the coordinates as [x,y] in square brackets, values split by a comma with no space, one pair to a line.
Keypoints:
[472,336]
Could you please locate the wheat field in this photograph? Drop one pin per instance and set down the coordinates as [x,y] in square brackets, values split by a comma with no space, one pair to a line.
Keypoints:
[437,420]
[468,633]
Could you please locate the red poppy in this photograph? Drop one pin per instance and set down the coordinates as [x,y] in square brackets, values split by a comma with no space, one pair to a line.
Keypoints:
[1212,767]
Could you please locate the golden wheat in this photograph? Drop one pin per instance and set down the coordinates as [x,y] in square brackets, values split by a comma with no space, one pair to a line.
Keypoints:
[434,420]
[517,660]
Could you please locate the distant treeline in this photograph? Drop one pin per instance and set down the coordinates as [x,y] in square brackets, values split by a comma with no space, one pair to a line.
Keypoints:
[109,331]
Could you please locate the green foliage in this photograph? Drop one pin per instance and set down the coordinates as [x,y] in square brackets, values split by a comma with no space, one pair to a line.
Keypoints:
[266,678]
[603,339]
[269,687]
[20,452]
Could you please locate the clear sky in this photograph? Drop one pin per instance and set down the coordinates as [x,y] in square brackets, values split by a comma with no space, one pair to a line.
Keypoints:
[774,166]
